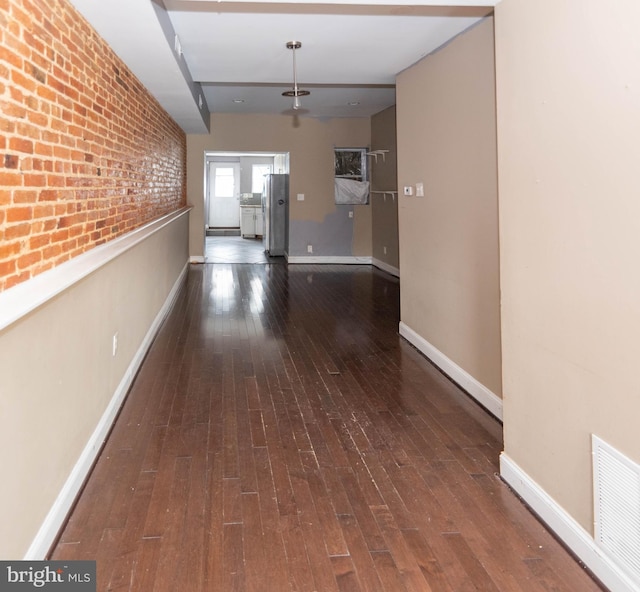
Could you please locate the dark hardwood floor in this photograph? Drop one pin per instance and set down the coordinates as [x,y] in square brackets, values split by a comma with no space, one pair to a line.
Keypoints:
[281,436]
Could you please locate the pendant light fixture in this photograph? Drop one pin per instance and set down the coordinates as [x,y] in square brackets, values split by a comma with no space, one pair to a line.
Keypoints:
[295,92]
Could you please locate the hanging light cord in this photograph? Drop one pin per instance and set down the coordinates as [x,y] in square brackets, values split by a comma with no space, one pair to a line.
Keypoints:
[296,93]
[295,76]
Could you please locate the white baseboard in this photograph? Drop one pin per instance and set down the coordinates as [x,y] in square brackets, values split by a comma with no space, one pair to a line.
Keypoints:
[196,259]
[489,400]
[56,516]
[331,259]
[574,536]
[386,267]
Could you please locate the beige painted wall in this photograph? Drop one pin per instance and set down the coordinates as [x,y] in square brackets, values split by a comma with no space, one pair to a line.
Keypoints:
[449,256]
[59,375]
[384,177]
[568,91]
[310,143]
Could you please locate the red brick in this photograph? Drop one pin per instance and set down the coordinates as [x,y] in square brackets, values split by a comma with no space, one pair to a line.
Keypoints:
[48,195]
[49,225]
[60,235]
[8,179]
[8,250]
[17,231]
[11,161]
[7,267]
[26,129]
[23,81]
[36,72]
[17,96]
[36,118]
[37,242]
[6,125]
[10,57]
[12,110]
[21,145]
[52,252]
[21,214]
[24,196]
[30,259]
[43,211]
[75,232]
[46,93]
[32,41]
[34,180]
[43,150]
[55,181]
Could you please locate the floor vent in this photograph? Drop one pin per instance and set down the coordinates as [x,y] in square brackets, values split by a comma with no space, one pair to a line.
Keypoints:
[617,506]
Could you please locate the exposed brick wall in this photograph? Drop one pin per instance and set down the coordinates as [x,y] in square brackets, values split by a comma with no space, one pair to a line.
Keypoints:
[86,154]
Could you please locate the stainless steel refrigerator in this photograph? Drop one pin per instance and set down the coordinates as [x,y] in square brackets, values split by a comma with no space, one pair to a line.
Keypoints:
[275,209]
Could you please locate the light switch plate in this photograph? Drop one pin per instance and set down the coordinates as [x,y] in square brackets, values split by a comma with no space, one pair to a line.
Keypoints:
[408,190]
[419,189]
[300,196]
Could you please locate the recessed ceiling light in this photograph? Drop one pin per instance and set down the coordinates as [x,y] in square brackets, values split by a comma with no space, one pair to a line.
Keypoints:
[353,103]
[238,100]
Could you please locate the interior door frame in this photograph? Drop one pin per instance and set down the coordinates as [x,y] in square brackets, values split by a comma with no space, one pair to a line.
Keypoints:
[222,156]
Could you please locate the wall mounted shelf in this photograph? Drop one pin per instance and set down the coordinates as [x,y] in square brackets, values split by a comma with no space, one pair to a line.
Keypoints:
[385,193]
[376,153]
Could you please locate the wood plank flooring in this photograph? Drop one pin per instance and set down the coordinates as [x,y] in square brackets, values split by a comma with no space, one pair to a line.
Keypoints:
[282,437]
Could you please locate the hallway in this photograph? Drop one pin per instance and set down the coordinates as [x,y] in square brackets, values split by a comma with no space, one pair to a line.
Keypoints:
[281,436]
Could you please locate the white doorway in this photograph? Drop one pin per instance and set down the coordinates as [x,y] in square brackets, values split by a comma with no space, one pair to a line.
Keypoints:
[224,195]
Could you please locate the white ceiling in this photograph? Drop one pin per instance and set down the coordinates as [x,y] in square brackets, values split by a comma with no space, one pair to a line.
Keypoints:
[236,51]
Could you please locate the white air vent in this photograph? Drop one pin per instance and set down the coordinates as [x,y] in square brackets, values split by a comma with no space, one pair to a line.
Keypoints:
[617,506]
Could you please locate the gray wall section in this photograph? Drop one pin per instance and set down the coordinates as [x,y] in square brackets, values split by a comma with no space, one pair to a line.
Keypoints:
[333,237]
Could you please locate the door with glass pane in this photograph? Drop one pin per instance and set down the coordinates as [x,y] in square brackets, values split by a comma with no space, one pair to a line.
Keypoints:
[224,195]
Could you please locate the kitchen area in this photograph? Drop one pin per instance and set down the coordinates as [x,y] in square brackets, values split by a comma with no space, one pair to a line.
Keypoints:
[247,207]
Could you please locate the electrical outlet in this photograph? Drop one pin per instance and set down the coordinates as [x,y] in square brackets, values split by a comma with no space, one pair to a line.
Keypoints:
[114,344]
[309,248]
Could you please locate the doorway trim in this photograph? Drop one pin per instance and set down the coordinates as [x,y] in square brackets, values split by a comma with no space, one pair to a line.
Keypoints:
[280,165]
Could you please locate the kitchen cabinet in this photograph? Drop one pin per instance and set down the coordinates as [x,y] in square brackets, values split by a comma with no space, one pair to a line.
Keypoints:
[251,221]
[259,222]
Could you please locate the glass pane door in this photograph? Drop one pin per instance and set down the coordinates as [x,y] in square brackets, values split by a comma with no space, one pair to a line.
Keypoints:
[224,196]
